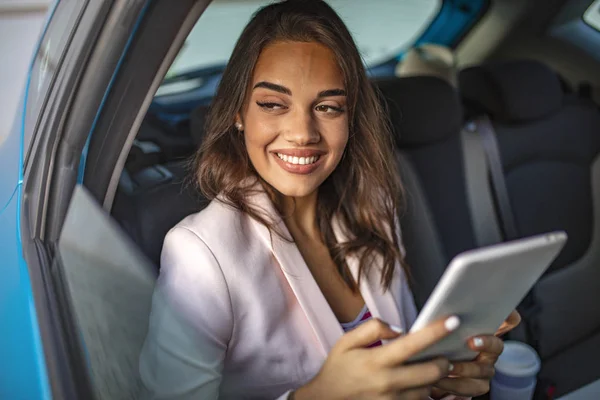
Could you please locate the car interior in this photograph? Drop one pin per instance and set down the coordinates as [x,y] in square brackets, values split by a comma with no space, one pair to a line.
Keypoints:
[497,135]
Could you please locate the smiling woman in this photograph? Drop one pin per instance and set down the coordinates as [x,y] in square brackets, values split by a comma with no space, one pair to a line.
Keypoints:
[300,126]
[270,291]
[296,87]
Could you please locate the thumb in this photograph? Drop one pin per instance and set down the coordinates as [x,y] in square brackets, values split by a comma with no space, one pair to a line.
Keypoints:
[369,333]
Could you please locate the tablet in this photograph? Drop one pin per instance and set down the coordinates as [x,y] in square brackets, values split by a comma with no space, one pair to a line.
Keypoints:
[482,287]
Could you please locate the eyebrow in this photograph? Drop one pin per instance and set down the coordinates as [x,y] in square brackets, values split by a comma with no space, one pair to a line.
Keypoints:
[273,86]
[332,92]
[282,89]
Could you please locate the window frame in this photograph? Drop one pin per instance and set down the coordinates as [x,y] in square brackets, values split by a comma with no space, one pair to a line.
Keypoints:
[61,354]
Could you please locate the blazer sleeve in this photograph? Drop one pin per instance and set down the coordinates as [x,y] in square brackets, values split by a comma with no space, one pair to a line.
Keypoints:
[190,323]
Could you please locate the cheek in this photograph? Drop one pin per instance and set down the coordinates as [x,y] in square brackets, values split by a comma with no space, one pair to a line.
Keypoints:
[258,135]
[337,136]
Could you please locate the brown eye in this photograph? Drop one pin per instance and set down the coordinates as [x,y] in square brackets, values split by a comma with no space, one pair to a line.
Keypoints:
[270,106]
[328,109]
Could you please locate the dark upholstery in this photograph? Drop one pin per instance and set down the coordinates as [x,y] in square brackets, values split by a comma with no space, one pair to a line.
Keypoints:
[426,118]
[547,167]
[173,143]
[548,141]
[152,201]
[440,168]
[516,91]
[423,109]
[550,145]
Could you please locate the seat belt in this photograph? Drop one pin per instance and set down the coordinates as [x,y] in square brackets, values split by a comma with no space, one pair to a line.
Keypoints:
[528,307]
[490,146]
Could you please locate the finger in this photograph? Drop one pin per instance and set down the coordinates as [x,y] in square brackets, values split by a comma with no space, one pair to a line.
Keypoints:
[489,344]
[509,324]
[514,318]
[414,394]
[367,334]
[438,393]
[477,370]
[400,350]
[464,386]
[417,375]
[487,358]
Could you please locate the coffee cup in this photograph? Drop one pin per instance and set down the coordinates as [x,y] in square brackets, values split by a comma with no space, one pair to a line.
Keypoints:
[516,372]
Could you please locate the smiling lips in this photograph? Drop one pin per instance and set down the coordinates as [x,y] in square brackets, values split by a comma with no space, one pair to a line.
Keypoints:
[298,161]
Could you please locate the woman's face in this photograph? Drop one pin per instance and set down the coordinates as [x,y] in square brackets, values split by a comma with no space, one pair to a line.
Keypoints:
[295,121]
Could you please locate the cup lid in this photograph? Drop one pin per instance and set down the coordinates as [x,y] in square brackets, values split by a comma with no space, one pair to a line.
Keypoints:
[518,360]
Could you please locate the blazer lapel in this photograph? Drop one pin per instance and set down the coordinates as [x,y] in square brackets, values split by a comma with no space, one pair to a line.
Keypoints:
[321,318]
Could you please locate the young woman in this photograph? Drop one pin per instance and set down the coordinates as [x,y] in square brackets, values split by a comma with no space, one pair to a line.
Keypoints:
[281,286]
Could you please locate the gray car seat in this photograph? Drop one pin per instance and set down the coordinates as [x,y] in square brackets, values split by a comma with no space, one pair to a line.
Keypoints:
[549,143]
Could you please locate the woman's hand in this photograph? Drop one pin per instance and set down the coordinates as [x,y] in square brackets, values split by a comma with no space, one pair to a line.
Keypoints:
[472,378]
[354,371]
[509,324]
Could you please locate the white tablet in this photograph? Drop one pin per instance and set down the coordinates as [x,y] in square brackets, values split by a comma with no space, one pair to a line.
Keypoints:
[482,287]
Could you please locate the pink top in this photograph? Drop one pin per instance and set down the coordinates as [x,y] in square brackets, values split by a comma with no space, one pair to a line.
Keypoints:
[362,317]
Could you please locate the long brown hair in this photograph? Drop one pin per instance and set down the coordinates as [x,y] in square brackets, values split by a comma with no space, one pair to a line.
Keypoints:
[364,191]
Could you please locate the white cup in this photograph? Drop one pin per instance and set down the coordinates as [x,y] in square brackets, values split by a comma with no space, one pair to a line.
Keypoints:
[516,372]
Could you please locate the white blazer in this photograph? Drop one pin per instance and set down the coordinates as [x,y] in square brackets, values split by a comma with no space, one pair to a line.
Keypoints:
[237,314]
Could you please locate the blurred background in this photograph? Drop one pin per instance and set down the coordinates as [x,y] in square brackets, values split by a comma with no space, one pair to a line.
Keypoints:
[20,25]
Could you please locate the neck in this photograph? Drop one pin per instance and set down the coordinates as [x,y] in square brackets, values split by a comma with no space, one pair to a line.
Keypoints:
[301,215]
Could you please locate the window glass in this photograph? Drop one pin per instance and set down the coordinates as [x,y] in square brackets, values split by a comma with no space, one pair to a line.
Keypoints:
[110,285]
[381,29]
[47,59]
[592,15]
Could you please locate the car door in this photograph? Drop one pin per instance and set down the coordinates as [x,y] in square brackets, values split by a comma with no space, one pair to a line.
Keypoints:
[25,373]
[96,67]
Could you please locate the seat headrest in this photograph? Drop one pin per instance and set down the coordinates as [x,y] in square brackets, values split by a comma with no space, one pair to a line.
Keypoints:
[423,109]
[197,120]
[514,91]
[429,59]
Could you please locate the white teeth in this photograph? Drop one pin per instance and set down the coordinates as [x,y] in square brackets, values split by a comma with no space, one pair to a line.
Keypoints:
[298,160]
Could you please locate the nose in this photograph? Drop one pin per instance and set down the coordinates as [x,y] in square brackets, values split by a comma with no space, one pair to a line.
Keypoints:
[302,129]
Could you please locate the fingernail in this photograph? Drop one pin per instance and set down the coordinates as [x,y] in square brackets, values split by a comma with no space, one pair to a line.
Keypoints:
[450,367]
[396,329]
[452,323]
[478,342]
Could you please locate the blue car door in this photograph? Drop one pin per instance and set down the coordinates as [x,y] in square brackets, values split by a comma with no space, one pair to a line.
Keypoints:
[92,77]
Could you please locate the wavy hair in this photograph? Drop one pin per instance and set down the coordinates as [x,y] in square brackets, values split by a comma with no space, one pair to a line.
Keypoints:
[363,192]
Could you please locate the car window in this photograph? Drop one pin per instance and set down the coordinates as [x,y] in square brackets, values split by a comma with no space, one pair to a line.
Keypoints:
[48,58]
[592,15]
[399,23]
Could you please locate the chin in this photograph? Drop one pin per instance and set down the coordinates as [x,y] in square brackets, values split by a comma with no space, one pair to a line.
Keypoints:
[290,189]
[295,192]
